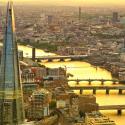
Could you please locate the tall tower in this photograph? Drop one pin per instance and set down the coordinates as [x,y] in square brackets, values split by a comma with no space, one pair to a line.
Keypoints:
[11,99]
[0,21]
[50,19]
[124,43]
[115,17]
[33,54]
[80,13]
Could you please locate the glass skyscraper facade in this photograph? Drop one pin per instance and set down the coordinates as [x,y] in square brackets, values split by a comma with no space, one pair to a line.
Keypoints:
[11,99]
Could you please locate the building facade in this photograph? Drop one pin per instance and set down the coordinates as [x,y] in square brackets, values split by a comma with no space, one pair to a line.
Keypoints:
[39,104]
[11,99]
[96,118]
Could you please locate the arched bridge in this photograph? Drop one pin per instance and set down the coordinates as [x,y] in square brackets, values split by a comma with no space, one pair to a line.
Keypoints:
[61,58]
[112,107]
[119,108]
[95,88]
[114,81]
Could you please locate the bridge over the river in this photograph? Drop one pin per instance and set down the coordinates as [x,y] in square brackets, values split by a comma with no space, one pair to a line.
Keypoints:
[95,88]
[61,58]
[119,108]
[114,81]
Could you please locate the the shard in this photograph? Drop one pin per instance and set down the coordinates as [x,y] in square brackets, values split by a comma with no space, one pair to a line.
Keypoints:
[11,99]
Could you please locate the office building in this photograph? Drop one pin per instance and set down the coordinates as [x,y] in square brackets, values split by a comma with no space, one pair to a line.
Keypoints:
[11,99]
[115,17]
[39,104]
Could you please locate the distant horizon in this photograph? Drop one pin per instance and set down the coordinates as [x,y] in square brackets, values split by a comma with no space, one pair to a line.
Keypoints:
[73,3]
[89,6]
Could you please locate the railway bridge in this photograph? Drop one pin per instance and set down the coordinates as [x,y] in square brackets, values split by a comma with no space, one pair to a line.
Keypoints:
[120,88]
[119,108]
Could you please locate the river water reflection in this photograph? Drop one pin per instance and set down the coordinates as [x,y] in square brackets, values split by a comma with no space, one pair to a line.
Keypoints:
[84,70]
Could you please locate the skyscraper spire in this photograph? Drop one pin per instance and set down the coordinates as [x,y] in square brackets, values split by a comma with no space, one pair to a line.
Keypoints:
[11,100]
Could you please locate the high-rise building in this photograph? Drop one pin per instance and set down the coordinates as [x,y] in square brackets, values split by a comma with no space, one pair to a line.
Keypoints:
[79,13]
[50,19]
[115,17]
[39,104]
[1,28]
[11,99]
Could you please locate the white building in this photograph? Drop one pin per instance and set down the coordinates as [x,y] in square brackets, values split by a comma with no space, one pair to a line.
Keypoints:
[39,104]
[96,118]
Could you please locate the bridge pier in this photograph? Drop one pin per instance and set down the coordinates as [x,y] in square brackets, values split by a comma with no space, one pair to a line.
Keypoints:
[33,53]
[62,60]
[50,60]
[120,91]
[114,83]
[81,91]
[94,91]
[107,91]
[119,112]
[102,82]
[89,82]
[77,82]
[38,60]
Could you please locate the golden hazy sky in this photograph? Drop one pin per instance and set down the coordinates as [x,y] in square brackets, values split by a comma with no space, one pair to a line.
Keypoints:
[73,2]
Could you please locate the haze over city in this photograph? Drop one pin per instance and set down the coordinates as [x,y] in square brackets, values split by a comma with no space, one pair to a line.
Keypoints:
[62,62]
[72,2]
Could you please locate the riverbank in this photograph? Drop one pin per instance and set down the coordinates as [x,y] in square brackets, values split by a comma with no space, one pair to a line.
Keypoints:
[106,61]
[85,70]
[81,69]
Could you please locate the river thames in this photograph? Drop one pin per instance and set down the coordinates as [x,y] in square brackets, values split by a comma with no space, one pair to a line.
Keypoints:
[85,70]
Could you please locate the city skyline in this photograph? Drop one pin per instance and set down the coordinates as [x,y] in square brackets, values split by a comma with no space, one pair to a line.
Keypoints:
[62,62]
[71,2]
